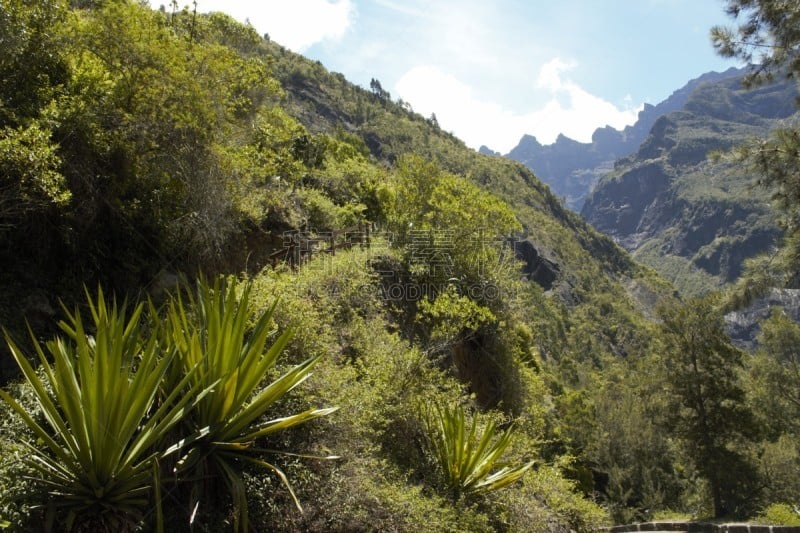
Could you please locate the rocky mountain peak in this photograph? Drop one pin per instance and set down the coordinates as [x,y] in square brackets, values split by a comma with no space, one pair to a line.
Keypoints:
[572,168]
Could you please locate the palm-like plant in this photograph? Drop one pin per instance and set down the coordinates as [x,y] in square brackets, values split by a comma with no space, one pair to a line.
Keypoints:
[99,399]
[466,453]
[212,331]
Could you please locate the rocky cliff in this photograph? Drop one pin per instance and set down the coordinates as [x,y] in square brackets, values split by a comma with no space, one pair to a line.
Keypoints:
[572,168]
[693,218]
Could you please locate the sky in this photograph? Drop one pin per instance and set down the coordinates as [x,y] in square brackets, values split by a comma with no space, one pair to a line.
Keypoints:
[494,71]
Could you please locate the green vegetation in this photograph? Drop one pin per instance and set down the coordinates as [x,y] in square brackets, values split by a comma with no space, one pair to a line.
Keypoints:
[691,280]
[350,236]
[466,454]
[99,399]
[232,361]
[707,403]
[780,514]
[114,401]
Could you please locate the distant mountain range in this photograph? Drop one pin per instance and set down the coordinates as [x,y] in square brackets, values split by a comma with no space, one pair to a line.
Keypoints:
[572,168]
[692,218]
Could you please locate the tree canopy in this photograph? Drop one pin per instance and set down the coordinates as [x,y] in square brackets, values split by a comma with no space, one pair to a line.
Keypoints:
[767,37]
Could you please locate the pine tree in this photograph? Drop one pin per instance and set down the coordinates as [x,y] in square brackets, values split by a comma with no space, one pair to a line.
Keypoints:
[707,402]
[767,37]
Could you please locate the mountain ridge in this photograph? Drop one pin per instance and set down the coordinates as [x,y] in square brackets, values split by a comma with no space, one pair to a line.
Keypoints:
[572,168]
[693,218]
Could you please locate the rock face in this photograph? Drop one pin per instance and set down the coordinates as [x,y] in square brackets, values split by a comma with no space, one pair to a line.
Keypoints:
[537,268]
[744,326]
[572,168]
[693,218]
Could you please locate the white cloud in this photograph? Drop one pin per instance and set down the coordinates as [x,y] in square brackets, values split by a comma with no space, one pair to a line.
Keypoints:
[568,109]
[550,74]
[402,7]
[429,90]
[298,24]
[572,110]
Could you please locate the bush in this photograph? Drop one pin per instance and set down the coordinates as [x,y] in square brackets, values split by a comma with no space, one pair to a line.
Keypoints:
[780,514]
[119,400]
[467,453]
[211,333]
[99,399]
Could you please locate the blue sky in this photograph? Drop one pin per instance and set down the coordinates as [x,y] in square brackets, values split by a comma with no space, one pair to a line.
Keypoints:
[493,71]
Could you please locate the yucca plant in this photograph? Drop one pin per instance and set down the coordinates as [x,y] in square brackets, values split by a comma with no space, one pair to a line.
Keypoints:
[467,453]
[212,330]
[96,452]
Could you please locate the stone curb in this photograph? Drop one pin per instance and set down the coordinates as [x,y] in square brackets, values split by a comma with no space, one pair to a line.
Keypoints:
[701,527]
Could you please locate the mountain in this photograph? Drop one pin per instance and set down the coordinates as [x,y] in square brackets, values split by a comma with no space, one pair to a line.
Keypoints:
[693,218]
[572,168]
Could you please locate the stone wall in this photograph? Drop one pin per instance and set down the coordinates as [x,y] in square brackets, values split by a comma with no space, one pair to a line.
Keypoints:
[701,527]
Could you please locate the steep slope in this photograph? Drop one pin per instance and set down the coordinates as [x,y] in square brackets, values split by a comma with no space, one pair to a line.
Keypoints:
[325,102]
[169,145]
[694,219]
[572,168]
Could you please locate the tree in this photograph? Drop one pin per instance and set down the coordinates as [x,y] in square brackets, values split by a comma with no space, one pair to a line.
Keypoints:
[774,392]
[32,69]
[707,401]
[630,453]
[451,227]
[769,34]
[152,115]
[775,373]
[378,90]
[29,177]
[31,61]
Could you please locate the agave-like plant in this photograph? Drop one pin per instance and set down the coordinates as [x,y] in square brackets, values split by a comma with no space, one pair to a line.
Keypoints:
[212,331]
[466,453]
[99,398]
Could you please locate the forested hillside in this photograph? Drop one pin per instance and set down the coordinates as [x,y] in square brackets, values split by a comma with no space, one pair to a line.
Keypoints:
[242,293]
